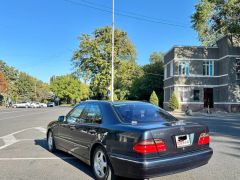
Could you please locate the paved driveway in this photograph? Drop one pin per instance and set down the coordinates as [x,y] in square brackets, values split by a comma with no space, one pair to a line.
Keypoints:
[24,155]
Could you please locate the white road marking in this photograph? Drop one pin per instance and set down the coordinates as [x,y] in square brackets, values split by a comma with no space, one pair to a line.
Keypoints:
[41,129]
[41,158]
[10,139]
[10,112]
[16,132]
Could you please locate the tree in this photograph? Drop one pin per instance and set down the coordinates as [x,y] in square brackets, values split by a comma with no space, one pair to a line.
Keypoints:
[150,80]
[156,57]
[126,73]
[215,18]
[153,98]
[173,102]
[92,61]
[3,83]
[69,88]
[23,87]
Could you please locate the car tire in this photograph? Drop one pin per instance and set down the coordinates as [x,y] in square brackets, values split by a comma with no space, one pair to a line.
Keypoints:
[51,142]
[101,166]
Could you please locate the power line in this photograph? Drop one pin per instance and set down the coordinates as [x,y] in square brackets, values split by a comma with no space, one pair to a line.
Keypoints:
[134,14]
[125,13]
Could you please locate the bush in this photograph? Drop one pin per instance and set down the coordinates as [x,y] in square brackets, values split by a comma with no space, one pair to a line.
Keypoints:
[154,99]
[173,102]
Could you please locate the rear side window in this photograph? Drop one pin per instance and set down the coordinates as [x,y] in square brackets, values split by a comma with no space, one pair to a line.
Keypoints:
[74,115]
[142,113]
[91,114]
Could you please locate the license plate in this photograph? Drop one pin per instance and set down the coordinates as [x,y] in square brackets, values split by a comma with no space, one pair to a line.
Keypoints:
[183,141]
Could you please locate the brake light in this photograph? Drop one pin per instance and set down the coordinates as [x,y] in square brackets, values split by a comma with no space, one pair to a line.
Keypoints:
[150,146]
[204,138]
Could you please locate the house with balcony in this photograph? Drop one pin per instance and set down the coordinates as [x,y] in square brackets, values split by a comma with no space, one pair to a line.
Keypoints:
[204,77]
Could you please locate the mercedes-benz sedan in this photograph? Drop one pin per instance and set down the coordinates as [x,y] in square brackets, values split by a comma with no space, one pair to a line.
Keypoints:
[130,139]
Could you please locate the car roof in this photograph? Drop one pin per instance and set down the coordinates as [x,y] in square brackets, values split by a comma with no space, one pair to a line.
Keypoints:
[115,102]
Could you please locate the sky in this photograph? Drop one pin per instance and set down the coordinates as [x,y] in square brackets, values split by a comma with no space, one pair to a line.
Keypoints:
[39,37]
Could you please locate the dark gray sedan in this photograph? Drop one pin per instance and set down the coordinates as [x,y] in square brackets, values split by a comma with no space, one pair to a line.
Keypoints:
[129,139]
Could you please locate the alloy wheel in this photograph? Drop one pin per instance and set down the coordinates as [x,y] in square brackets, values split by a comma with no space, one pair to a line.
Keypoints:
[100,164]
[50,141]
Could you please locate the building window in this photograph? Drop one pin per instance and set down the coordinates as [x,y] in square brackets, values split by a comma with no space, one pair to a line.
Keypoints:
[165,72]
[208,68]
[183,68]
[171,68]
[196,95]
[238,68]
[183,94]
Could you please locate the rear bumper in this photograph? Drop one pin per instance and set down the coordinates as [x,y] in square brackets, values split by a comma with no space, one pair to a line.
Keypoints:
[134,168]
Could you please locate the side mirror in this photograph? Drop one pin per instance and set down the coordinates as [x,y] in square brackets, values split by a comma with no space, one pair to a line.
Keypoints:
[61,118]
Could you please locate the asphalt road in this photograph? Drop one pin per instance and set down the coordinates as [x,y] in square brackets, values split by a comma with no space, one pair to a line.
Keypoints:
[24,154]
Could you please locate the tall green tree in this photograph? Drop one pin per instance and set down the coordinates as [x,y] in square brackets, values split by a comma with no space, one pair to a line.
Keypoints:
[92,60]
[156,57]
[151,80]
[68,88]
[215,18]
[22,87]
[25,87]
[126,73]
[3,83]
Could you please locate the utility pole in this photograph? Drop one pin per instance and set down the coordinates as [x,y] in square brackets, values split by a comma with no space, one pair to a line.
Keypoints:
[112,93]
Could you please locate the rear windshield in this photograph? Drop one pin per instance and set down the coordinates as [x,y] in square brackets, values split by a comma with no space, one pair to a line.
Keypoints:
[142,113]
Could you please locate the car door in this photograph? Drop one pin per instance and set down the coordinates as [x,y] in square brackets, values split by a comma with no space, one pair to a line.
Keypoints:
[65,128]
[85,132]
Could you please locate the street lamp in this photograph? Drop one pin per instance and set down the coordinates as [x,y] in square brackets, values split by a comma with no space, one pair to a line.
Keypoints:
[112,72]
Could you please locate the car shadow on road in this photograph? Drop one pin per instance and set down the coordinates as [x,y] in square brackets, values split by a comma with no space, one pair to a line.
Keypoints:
[72,160]
[67,158]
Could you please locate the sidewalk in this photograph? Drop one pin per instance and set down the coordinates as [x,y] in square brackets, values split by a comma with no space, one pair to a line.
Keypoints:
[203,114]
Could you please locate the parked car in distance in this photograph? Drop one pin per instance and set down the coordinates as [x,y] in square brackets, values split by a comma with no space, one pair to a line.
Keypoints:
[21,105]
[42,105]
[50,104]
[129,139]
[35,105]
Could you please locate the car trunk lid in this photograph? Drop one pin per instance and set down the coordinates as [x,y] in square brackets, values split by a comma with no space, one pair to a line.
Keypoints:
[180,137]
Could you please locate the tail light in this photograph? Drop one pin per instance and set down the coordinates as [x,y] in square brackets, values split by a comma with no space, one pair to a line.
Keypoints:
[204,138]
[150,146]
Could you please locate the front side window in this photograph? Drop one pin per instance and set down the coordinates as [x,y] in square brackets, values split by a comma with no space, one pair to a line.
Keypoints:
[208,68]
[142,113]
[183,68]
